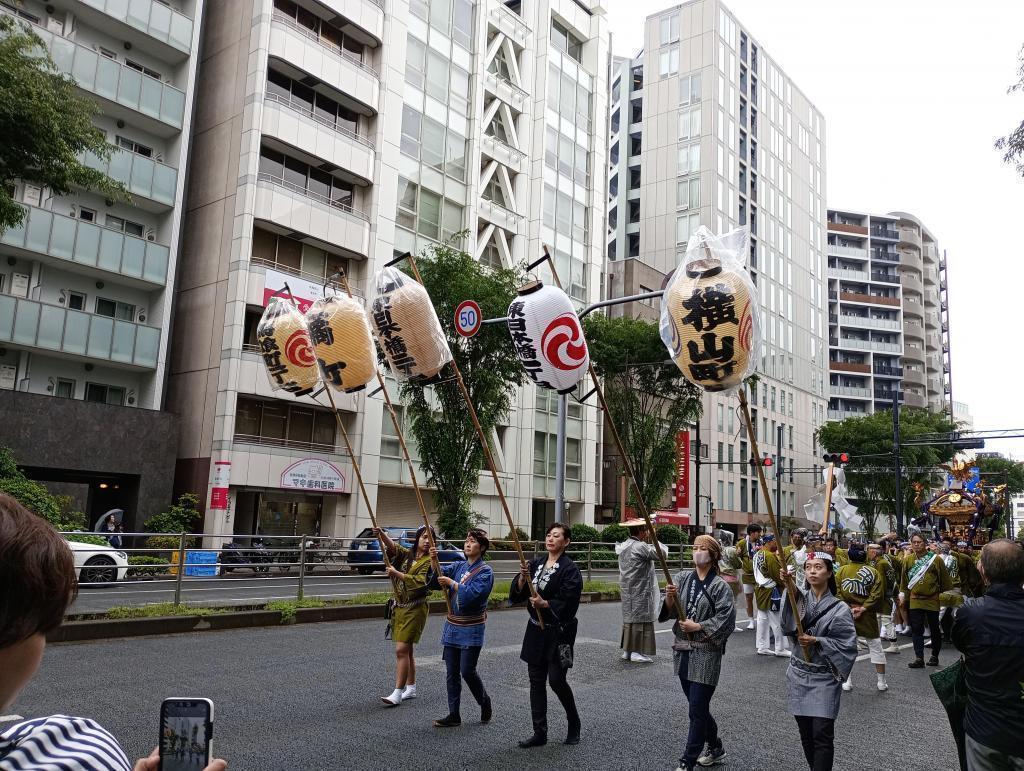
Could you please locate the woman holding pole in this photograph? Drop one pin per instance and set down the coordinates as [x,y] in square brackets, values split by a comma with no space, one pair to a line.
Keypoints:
[548,651]
[829,636]
[409,570]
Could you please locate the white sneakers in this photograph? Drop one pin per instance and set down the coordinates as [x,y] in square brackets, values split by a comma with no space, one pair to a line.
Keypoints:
[783,654]
[892,648]
[750,624]
[409,692]
[882,685]
[848,685]
[394,699]
[639,658]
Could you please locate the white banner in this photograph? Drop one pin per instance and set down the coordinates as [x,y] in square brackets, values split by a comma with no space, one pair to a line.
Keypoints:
[304,292]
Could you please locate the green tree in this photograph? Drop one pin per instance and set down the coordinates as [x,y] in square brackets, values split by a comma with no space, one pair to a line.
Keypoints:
[182,517]
[46,127]
[997,471]
[648,398]
[1012,145]
[582,532]
[869,474]
[614,533]
[450,453]
[34,496]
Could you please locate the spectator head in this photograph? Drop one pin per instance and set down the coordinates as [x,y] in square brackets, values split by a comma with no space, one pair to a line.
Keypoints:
[37,573]
[1002,562]
[829,545]
[754,530]
[857,552]
[557,538]
[480,536]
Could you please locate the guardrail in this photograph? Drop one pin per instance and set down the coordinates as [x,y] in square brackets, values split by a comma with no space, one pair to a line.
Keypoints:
[186,568]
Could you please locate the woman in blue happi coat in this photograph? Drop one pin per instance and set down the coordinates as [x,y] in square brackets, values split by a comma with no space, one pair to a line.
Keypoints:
[469,585]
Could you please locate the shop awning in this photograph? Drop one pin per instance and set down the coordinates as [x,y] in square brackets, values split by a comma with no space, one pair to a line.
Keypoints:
[671,518]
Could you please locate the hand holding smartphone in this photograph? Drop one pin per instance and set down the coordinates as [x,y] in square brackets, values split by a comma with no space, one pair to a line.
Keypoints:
[186,734]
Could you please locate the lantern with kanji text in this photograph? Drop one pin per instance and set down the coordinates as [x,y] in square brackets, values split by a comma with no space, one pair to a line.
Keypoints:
[286,349]
[341,339]
[548,337]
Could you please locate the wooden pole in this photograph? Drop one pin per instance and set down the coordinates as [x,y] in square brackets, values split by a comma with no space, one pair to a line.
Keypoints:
[485,446]
[828,499]
[756,454]
[408,457]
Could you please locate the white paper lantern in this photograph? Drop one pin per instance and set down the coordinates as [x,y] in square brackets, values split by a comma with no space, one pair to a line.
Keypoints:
[341,338]
[548,337]
[287,352]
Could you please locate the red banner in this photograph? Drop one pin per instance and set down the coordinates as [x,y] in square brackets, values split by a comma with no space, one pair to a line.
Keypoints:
[682,483]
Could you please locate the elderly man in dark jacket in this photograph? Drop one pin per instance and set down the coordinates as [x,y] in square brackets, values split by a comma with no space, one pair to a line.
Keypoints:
[989,631]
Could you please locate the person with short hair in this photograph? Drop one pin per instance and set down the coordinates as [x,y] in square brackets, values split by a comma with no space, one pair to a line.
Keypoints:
[796,554]
[989,631]
[887,567]
[924,579]
[770,598]
[39,580]
[548,651]
[839,556]
[747,548]
[862,587]
[639,592]
[468,583]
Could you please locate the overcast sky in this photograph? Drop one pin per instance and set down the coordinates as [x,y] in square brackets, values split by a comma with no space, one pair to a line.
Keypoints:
[914,95]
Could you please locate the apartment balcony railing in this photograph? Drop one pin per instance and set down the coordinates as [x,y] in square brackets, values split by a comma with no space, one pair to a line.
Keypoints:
[857,297]
[347,55]
[848,251]
[844,414]
[340,205]
[910,237]
[852,391]
[888,278]
[849,366]
[886,394]
[885,256]
[315,278]
[892,235]
[849,320]
[870,345]
[53,328]
[848,273]
[142,176]
[304,110]
[881,369]
[156,19]
[85,243]
[842,227]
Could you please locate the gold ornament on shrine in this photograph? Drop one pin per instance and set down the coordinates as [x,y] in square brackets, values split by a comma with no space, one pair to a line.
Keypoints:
[341,339]
[710,320]
[287,352]
[407,328]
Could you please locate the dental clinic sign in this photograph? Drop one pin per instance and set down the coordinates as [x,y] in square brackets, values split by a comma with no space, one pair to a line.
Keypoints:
[314,475]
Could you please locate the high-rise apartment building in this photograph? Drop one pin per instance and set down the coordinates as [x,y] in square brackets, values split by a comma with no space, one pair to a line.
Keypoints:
[708,130]
[330,134]
[864,313]
[86,283]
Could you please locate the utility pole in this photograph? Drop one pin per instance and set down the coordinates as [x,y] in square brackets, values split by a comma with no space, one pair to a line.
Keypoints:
[696,464]
[778,480]
[900,530]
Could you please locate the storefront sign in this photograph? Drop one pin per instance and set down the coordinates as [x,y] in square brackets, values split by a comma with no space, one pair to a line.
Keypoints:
[314,475]
[682,483]
[304,292]
[19,284]
[8,377]
[219,485]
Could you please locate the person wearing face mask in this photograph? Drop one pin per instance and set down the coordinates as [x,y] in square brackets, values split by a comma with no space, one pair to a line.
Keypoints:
[709,619]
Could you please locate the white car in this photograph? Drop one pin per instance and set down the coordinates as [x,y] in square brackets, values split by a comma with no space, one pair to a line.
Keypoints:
[98,564]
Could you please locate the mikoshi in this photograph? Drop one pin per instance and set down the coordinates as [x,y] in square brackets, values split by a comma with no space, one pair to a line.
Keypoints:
[548,337]
[286,349]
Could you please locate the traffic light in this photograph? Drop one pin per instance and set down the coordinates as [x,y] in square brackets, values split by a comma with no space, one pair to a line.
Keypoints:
[837,457]
[765,461]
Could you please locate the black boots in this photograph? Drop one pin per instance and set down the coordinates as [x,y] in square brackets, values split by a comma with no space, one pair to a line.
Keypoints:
[537,740]
[451,721]
[916,664]
[485,710]
[933,661]
[573,735]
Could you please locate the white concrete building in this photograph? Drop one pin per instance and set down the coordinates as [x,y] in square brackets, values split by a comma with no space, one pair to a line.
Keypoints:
[332,134]
[707,129]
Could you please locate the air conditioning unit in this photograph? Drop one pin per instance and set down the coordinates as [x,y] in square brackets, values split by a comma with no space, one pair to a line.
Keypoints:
[141,316]
[150,234]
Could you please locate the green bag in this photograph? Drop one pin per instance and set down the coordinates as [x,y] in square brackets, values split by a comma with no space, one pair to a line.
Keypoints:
[951,687]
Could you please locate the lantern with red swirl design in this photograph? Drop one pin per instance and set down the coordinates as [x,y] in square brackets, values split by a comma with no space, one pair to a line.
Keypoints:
[548,337]
[286,349]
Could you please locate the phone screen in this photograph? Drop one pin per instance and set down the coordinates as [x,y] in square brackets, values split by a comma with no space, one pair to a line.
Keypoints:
[186,731]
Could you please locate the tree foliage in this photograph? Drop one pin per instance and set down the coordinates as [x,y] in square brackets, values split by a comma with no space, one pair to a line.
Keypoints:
[450,453]
[1012,145]
[996,470]
[614,533]
[182,517]
[870,475]
[648,398]
[55,509]
[46,127]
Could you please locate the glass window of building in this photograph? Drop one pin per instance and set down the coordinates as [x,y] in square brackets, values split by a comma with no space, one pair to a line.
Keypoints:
[566,41]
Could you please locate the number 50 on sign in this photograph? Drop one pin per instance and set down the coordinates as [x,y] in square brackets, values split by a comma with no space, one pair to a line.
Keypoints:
[467,318]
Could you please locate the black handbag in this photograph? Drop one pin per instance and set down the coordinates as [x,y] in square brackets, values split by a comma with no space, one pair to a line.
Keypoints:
[389,611]
[563,650]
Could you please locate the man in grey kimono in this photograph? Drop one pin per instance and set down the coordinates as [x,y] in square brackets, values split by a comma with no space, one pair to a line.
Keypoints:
[638,587]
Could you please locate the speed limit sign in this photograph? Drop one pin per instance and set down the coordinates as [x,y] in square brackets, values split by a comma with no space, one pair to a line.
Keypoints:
[467,318]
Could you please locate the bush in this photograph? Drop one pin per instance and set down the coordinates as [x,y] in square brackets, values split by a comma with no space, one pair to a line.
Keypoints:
[520,533]
[581,533]
[154,565]
[670,534]
[182,517]
[601,558]
[615,533]
[161,609]
[172,542]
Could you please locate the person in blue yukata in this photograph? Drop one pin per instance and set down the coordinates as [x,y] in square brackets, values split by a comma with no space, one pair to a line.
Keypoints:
[469,586]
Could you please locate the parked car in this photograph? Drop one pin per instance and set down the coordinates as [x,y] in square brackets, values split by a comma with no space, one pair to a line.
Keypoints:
[364,552]
[98,564]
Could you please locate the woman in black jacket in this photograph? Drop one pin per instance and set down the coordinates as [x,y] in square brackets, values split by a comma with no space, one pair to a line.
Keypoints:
[548,652]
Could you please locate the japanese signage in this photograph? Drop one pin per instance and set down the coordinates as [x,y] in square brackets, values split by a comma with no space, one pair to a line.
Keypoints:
[286,349]
[341,339]
[407,327]
[682,479]
[548,337]
[304,292]
[314,475]
[219,484]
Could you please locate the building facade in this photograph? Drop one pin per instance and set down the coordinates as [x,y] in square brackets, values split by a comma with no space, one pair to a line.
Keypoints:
[332,135]
[707,129]
[86,283]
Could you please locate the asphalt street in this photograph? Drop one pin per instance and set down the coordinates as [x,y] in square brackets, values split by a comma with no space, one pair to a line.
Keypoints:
[307,697]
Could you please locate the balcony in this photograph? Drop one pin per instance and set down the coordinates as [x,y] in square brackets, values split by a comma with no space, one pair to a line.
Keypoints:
[914,376]
[293,123]
[504,153]
[502,217]
[852,392]
[505,90]
[509,22]
[160,105]
[841,227]
[253,379]
[910,237]
[878,254]
[886,233]
[39,326]
[155,20]
[68,241]
[367,15]
[849,366]
[855,343]
[886,278]
[848,273]
[914,329]
[887,394]
[885,371]
[848,251]
[856,297]
[865,322]
[844,414]
[144,177]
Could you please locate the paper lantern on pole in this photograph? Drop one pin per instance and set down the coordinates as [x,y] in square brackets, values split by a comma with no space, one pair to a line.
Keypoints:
[407,328]
[286,349]
[548,337]
[710,321]
[341,340]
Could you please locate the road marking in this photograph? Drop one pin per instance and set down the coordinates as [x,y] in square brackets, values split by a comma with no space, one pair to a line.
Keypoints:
[10,718]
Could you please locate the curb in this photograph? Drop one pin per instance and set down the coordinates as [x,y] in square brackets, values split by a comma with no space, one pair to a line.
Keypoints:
[103,629]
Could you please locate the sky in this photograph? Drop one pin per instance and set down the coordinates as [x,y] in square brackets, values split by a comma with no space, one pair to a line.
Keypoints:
[914,93]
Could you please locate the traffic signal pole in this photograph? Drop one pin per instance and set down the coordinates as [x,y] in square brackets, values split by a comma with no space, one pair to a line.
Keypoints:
[778,481]
[900,530]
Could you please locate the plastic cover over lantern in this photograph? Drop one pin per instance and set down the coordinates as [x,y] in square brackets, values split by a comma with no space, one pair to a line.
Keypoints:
[407,328]
[341,339]
[548,337]
[287,353]
[710,321]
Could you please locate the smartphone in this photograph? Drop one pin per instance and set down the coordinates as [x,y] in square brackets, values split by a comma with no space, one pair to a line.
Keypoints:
[186,734]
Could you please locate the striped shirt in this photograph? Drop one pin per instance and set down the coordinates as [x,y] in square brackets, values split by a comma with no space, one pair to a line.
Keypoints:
[60,743]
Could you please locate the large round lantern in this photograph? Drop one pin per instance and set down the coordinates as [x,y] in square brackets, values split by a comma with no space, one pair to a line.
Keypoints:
[709,314]
[341,340]
[286,349]
[407,328]
[548,337]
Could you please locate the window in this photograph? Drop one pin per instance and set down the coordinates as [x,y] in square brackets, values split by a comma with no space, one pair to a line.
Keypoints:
[670,29]
[88,215]
[415,62]
[688,193]
[689,123]
[104,394]
[668,62]
[300,177]
[115,309]
[125,226]
[285,422]
[427,212]
[731,503]
[689,159]
[76,301]
[427,140]
[720,501]
[689,89]
[720,412]
[134,147]
[566,41]
[686,226]
[143,69]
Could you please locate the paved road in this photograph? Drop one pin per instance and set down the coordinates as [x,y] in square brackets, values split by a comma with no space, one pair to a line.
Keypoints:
[306,698]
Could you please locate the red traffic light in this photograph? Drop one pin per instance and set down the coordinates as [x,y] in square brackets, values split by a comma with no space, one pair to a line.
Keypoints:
[767,462]
[837,457]
[844,457]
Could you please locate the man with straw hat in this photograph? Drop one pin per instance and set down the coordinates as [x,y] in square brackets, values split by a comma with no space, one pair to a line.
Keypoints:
[638,587]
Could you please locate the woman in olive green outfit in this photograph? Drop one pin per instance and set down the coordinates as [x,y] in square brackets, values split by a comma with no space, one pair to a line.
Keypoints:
[409,570]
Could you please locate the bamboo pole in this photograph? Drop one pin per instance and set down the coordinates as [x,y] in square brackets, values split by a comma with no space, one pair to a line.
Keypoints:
[756,454]
[485,446]
[828,499]
[435,563]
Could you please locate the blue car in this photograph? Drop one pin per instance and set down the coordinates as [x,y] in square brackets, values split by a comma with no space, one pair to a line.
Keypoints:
[364,552]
